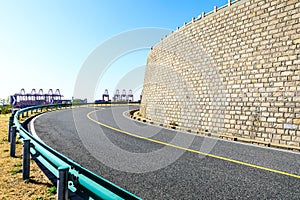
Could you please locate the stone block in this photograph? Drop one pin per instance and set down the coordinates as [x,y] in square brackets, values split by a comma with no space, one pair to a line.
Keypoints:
[296,121]
[290,126]
[286,137]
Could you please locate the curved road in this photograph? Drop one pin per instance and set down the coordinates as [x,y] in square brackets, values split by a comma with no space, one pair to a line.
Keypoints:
[157,163]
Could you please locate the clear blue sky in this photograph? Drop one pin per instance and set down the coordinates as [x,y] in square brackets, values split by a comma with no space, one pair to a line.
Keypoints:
[44,44]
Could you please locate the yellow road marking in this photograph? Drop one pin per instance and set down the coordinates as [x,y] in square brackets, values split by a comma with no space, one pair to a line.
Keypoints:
[191,150]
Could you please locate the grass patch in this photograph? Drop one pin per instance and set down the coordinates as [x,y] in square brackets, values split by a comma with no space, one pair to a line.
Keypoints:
[18,165]
[41,198]
[27,181]
[52,190]
[15,171]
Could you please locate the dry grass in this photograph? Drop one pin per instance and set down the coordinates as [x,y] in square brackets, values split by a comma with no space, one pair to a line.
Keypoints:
[11,184]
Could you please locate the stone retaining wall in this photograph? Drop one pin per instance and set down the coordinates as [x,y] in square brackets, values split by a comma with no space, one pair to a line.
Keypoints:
[235,71]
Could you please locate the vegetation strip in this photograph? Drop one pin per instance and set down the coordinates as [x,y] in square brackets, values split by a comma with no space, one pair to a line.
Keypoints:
[11,184]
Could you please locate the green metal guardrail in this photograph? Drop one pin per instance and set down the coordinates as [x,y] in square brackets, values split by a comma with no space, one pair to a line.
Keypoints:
[70,174]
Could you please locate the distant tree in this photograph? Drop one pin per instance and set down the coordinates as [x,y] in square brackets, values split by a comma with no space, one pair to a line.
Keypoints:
[5,109]
[77,101]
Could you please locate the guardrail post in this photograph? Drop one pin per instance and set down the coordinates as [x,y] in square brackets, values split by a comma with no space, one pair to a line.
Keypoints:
[26,159]
[11,123]
[11,119]
[62,183]
[13,141]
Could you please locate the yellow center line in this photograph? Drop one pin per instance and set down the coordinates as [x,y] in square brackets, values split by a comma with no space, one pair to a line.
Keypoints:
[191,150]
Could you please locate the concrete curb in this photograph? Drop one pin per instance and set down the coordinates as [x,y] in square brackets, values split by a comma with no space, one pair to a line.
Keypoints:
[135,114]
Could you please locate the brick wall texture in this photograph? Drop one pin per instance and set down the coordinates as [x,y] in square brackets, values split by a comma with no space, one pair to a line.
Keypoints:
[235,71]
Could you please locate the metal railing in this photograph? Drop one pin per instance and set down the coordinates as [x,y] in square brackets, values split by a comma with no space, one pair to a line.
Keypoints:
[70,175]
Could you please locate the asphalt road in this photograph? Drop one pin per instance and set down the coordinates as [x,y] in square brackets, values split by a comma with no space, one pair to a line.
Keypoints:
[171,164]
